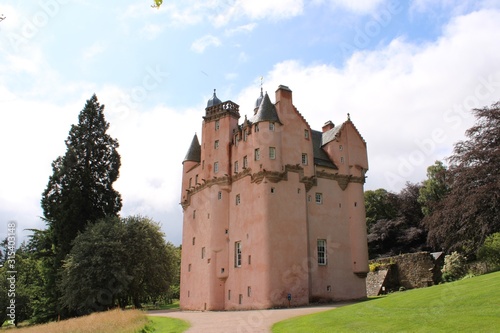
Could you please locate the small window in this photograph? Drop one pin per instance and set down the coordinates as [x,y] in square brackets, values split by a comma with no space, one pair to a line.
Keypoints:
[249,260]
[216,144]
[342,159]
[194,214]
[245,162]
[229,294]
[240,301]
[237,254]
[190,182]
[196,180]
[341,147]
[272,153]
[203,253]
[304,159]
[194,240]
[245,135]
[235,166]
[256,127]
[217,125]
[216,167]
[273,190]
[219,195]
[319,198]
[271,126]
[202,164]
[321,252]
[306,134]
[257,154]
[189,268]
[238,200]
[328,288]
[249,291]
[355,204]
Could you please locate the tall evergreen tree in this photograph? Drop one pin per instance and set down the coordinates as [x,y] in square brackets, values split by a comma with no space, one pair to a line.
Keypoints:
[80,190]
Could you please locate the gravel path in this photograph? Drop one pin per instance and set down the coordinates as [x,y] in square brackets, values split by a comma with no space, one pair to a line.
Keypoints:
[239,321]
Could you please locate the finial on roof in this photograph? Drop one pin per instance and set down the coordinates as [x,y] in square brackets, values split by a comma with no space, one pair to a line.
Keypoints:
[348,116]
[214,100]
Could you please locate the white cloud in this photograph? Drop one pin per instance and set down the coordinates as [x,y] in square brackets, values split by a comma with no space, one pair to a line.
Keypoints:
[93,50]
[202,43]
[241,29]
[358,6]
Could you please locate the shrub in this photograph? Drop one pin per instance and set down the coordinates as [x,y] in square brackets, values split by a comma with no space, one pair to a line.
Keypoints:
[489,252]
[455,267]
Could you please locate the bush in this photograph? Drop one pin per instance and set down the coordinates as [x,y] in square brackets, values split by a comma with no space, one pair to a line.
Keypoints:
[455,267]
[489,252]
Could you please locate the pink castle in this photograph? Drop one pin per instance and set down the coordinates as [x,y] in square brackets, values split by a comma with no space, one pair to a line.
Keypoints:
[273,211]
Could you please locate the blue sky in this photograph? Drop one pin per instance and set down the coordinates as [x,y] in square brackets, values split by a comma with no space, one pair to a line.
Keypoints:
[408,72]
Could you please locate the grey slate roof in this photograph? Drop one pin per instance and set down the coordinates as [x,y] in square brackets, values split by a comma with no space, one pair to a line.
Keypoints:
[320,157]
[213,101]
[194,152]
[266,112]
[330,134]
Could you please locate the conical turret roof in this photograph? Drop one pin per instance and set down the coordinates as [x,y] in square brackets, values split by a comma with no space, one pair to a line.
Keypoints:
[266,111]
[194,152]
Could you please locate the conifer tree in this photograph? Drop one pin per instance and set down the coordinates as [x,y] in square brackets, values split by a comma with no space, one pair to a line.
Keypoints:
[80,190]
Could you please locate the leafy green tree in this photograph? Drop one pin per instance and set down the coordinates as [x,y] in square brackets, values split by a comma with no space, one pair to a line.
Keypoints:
[401,231]
[118,262]
[434,188]
[380,205]
[80,190]
[155,262]
[470,212]
[489,252]
[95,271]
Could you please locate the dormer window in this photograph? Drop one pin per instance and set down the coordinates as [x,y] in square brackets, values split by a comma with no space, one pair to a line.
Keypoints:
[271,126]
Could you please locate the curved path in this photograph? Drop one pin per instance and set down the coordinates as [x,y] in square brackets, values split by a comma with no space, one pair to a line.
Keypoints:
[239,321]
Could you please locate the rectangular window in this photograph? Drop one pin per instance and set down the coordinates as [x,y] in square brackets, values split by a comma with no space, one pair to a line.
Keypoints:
[235,166]
[229,294]
[319,198]
[194,240]
[203,253]
[217,125]
[216,144]
[216,167]
[342,159]
[304,159]
[196,180]
[273,190]
[249,291]
[272,153]
[237,254]
[190,182]
[237,199]
[271,126]
[245,162]
[257,154]
[203,165]
[245,135]
[240,299]
[219,195]
[321,252]
[249,260]
[256,127]
[189,268]
[194,214]
[306,134]
[340,147]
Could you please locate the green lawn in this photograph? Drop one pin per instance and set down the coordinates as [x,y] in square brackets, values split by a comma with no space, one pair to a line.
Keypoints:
[470,305]
[167,325]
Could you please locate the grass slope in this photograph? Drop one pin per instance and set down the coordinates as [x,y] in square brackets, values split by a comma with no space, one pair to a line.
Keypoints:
[167,325]
[470,305]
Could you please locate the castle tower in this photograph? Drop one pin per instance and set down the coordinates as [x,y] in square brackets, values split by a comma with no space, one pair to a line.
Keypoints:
[272,209]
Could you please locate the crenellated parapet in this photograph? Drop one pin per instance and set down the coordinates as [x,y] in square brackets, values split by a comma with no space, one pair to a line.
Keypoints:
[220,110]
